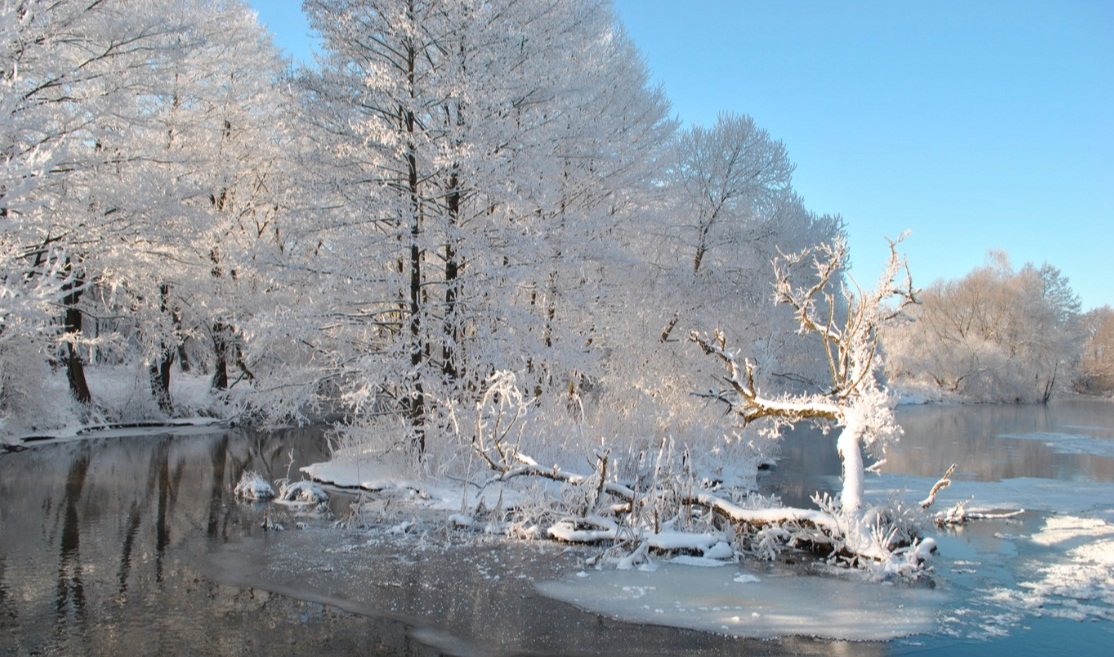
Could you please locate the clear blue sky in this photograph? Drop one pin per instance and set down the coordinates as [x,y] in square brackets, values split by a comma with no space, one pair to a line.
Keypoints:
[975,125]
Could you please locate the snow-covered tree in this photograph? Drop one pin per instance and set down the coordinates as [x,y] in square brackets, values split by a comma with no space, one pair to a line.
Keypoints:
[119,114]
[473,150]
[699,256]
[846,323]
[664,485]
[994,335]
[1096,363]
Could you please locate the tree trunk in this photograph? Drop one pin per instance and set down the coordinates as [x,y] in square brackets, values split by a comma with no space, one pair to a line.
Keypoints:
[220,353]
[451,347]
[851,457]
[75,369]
[160,381]
[416,410]
[160,368]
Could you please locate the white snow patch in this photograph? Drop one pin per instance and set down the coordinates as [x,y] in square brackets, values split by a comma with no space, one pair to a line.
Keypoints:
[674,540]
[461,520]
[1077,583]
[701,562]
[1060,529]
[743,605]
[369,475]
[584,530]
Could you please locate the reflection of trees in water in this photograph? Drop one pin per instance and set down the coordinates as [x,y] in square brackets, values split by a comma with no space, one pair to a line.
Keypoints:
[218,457]
[119,526]
[152,516]
[70,597]
[970,436]
[975,437]
[130,531]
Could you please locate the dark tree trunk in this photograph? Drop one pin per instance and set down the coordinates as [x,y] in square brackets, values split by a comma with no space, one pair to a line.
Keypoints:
[416,404]
[451,348]
[71,322]
[220,352]
[183,358]
[160,368]
[160,381]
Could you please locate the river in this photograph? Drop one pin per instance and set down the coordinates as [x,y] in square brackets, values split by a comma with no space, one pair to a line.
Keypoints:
[134,545]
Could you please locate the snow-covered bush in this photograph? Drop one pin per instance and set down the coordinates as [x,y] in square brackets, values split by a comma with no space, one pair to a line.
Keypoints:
[301,492]
[252,486]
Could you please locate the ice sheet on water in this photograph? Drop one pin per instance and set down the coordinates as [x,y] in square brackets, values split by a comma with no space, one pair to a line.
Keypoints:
[736,602]
[1070,443]
[1029,493]
[1075,579]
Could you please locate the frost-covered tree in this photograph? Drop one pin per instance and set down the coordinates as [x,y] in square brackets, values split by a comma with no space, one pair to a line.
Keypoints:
[697,257]
[730,178]
[215,176]
[120,114]
[665,483]
[1096,363]
[846,323]
[472,151]
[994,335]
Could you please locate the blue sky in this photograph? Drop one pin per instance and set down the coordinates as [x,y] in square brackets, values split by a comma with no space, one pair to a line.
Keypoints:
[974,125]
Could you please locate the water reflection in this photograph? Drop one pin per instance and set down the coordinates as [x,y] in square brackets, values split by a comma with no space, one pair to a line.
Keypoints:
[136,546]
[988,442]
[101,538]
[992,443]
[470,599]
[70,597]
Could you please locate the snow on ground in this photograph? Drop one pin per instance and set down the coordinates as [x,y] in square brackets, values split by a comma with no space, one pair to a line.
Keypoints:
[176,427]
[124,405]
[747,604]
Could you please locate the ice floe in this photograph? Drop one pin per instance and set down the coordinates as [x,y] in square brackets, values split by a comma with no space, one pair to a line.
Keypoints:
[750,605]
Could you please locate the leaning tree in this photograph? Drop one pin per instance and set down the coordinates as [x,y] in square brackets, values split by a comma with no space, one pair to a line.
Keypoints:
[845,320]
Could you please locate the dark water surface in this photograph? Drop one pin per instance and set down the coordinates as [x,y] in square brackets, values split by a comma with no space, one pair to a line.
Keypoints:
[135,546]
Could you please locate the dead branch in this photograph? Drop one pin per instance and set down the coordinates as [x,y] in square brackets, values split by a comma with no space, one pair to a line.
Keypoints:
[748,404]
[940,485]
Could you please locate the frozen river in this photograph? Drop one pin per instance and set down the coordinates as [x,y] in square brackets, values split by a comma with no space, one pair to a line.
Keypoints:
[134,545]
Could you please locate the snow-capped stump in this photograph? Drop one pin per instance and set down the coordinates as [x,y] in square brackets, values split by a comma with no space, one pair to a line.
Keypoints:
[253,487]
[302,492]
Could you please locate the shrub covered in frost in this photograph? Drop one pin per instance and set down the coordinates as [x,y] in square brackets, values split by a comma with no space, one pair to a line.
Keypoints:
[253,486]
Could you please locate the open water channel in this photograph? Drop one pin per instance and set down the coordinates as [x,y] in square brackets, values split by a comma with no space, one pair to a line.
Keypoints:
[134,545]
